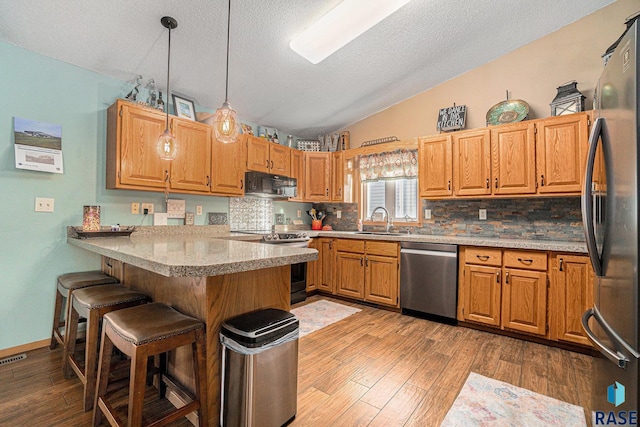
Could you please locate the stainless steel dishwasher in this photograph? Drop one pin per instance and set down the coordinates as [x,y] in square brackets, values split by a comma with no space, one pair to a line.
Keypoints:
[429,279]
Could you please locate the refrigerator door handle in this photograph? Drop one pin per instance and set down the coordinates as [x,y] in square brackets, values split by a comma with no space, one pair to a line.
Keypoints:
[587,195]
[615,356]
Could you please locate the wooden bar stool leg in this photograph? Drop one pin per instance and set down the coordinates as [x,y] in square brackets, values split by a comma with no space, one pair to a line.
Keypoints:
[137,386]
[70,342]
[106,347]
[90,356]
[57,311]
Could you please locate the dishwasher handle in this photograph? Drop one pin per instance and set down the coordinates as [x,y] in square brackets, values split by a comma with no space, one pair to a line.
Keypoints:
[428,253]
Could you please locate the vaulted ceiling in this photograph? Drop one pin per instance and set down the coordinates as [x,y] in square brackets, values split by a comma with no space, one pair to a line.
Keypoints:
[422,45]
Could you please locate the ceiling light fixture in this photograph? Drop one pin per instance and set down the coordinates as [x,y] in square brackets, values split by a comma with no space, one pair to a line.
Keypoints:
[167,144]
[341,25]
[225,124]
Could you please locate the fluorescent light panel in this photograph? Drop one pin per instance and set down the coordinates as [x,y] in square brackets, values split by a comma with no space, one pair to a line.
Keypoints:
[340,25]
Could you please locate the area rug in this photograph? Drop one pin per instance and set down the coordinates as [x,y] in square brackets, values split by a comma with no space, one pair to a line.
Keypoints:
[487,402]
[320,314]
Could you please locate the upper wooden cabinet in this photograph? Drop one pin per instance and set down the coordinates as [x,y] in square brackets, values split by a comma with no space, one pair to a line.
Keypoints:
[472,163]
[561,152]
[228,167]
[265,156]
[436,169]
[132,157]
[317,173]
[337,176]
[191,169]
[541,157]
[513,161]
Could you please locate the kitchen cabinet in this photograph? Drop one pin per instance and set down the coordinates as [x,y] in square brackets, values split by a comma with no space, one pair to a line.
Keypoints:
[228,167]
[265,156]
[317,172]
[571,294]
[472,163]
[368,270]
[326,265]
[436,166]
[561,152]
[132,157]
[337,176]
[505,289]
[297,172]
[513,158]
[533,157]
[191,169]
[313,266]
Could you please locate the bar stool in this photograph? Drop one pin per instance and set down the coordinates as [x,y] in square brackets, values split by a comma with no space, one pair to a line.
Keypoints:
[67,283]
[92,304]
[141,332]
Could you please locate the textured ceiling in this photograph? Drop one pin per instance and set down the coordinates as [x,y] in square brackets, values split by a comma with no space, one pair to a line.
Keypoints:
[423,44]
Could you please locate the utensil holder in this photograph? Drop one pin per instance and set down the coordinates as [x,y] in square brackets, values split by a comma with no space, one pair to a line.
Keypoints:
[316,224]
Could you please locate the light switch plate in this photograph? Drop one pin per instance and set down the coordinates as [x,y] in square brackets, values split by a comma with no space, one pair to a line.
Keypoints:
[135,208]
[427,214]
[482,214]
[339,214]
[199,210]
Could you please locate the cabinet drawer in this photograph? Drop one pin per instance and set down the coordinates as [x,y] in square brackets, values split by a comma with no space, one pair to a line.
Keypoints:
[483,256]
[526,260]
[382,248]
[348,245]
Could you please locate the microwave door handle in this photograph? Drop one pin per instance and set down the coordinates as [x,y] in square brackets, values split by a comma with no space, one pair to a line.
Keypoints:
[587,195]
[615,356]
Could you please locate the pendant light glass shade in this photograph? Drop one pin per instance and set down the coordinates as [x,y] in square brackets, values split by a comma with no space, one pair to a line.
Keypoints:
[167,145]
[225,123]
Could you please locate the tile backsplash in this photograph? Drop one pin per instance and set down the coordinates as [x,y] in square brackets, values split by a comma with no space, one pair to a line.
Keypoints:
[248,213]
[557,218]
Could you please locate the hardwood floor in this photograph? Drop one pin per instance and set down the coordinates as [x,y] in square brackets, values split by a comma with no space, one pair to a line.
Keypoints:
[375,368]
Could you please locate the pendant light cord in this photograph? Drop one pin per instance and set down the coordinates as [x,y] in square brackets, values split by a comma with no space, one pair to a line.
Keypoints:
[226,88]
[168,71]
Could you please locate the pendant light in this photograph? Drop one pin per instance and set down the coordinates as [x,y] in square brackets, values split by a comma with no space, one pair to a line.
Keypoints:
[225,124]
[167,144]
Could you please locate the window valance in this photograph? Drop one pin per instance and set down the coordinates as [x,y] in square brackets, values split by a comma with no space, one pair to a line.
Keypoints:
[401,163]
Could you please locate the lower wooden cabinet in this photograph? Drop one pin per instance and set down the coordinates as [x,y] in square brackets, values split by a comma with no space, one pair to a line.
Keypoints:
[367,270]
[494,293]
[312,267]
[326,264]
[571,294]
[535,292]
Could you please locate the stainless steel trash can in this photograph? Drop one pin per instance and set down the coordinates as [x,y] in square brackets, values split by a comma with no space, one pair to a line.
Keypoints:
[259,369]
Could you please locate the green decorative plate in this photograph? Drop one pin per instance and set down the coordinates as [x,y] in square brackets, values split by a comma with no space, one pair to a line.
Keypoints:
[510,111]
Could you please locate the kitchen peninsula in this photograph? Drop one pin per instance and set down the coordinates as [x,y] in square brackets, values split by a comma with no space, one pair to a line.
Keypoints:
[211,276]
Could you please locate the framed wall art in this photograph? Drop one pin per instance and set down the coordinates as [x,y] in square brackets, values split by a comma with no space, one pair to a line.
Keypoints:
[183,107]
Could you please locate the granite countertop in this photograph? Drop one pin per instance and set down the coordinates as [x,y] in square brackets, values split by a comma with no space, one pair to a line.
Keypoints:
[194,255]
[496,242]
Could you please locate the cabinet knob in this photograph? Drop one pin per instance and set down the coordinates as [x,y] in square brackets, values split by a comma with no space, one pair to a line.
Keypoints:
[366,261]
[267,164]
[498,276]
[483,257]
[241,184]
[542,180]
[327,191]
[449,186]
[506,277]
[496,182]
[487,182]
[208,181]
[271,164]
[361,261]
[561,264]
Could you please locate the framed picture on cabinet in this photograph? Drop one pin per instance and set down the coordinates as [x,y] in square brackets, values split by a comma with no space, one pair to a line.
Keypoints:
[183,107]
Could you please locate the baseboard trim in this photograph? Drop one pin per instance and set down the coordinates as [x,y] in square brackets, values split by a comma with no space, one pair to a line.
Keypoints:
[12,351]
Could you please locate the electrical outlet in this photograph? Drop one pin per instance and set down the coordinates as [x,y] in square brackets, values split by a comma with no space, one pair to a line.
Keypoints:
[135,208]
[299,213]
[44,204]
[149,207]
[482,214]
[427,214]
[199,210]
[339,214]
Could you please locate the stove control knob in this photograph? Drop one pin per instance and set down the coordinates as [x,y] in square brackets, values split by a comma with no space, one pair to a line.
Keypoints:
[303,235]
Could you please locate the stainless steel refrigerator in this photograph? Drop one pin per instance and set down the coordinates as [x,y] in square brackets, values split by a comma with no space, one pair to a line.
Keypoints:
[610,216]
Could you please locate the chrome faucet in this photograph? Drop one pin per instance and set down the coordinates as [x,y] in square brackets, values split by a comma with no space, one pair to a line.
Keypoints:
[389,221]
